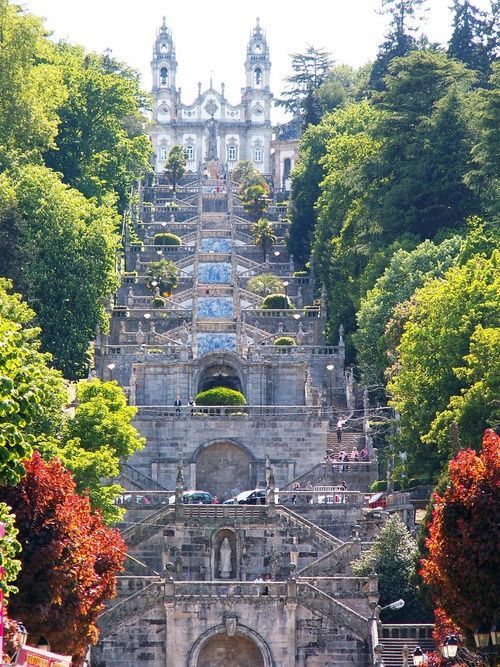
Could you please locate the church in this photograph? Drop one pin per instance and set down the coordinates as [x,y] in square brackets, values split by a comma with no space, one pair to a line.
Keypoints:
[232,585]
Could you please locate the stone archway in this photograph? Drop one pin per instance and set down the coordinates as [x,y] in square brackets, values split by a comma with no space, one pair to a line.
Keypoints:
[221,650]
[220,374]
[224,469]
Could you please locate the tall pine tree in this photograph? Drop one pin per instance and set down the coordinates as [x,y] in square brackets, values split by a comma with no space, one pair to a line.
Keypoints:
[469,41]
[400,38]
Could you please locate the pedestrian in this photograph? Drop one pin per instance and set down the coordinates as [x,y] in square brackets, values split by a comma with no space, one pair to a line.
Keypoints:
[295,487]
[340,425]
[177,406]
[191,404]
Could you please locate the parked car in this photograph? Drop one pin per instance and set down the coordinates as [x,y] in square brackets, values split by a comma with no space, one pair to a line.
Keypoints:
[253,497]
[194,498]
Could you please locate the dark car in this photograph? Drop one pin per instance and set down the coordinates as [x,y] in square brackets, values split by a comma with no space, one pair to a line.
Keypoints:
[194,498]
[254,497]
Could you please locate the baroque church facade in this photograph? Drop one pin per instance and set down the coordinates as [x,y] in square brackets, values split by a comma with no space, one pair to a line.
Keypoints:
[211,127]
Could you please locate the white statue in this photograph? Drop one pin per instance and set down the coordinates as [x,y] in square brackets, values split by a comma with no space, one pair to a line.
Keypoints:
[225,559]
[140,337]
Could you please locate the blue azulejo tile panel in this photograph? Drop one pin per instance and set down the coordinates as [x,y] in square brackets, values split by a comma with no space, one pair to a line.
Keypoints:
[214,272]
[216,245]
[214,307]
[208,342]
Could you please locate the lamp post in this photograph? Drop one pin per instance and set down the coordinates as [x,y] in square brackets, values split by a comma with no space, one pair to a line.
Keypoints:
[449,648]
[330,368]
[487,639]
[418,656]
[285,285]
[111,368]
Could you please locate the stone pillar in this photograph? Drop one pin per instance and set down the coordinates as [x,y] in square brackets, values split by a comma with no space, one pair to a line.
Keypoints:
[270,492]
[192,475]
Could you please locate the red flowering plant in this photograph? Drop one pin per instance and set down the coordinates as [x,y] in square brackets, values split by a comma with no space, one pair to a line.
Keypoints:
[463,558]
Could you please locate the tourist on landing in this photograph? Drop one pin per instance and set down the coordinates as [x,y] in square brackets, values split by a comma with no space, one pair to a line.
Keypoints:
[340,425]
[295,487]
[177,406]
[191,404]
[354,454]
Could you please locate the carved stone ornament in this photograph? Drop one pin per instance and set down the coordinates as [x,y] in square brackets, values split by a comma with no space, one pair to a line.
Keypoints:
[230,622]
[211,107]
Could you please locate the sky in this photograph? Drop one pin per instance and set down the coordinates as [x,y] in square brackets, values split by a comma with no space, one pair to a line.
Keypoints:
[211,37]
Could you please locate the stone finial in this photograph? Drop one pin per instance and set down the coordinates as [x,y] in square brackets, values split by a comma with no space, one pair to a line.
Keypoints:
[199,88]
[130,297]
[300,334]
[291,571]
[122,326]
[280,328]
[341,335]
[140,336]
[273,564]
[179,480]
[222,88]
[168,571]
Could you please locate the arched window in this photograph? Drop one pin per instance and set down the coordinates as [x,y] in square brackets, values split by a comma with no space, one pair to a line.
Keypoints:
[257,77]
[287,167]
[232,153]
[257,153]
[163,76]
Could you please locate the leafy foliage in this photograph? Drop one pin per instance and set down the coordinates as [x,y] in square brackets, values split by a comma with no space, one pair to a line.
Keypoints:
[448,319]
[265,283]
[9,552]
[405,273]
[69,558]
[67,256]
[263,235]
[392,557]
[278,301]
[101,147]
[463,558]
[166,238]
[284,340]
[220,396]
[175,165]
[164,273]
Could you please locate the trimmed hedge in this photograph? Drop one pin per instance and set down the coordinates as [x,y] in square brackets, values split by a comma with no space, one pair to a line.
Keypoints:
[220,396]
[276,301]
[158,302]
[284,340]
[300,274]
[167,238]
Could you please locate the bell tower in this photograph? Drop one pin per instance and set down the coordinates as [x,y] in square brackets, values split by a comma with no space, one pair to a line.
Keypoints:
[163,64]
[257,63]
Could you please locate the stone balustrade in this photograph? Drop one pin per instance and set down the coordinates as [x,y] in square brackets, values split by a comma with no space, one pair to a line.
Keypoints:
[333,497]
[234,411]
[229,588]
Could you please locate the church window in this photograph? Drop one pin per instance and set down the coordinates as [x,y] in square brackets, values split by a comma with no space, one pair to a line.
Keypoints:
[163,76]
[190,152]
[257,153]
[163,152]
[232,153]
[257,76]
[287,167]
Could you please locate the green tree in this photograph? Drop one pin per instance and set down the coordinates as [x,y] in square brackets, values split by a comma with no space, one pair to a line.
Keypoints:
[405,273]
[425,150]
[255,200]
[400,38]
[31,88]
[68,263]
[483,178]
[101,146]
[306,177]
[444,325]
[310,70]
[175,165]
[263,235]
[392,557]
[164,274]
[265,283]
[469,39]
[9,550]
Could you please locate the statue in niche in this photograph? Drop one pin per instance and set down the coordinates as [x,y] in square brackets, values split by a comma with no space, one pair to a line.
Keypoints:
[280,328]
[225,553]
[140,337]
[122,327]
[300,334]
[212,140]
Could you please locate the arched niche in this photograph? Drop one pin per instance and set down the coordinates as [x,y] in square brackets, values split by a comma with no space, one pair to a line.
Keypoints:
[241,648]
[224,468]
[217,539]
[221,369]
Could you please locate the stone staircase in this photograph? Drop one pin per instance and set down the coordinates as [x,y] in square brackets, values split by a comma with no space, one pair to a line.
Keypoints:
[138,479]
[396,636]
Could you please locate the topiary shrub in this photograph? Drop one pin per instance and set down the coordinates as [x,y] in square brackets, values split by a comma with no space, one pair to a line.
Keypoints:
[220,396]
[284,340]
[166,238]
[276,301]
[158,302]
[300,274]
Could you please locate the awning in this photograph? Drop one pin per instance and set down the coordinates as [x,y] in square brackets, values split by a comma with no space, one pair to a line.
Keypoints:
[29,655]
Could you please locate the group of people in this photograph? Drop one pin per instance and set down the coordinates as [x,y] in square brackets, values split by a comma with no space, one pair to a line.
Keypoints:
[178,405]
[340,460]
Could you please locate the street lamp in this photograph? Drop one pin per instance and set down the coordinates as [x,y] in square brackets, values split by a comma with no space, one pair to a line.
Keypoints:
[296,316]
[277,253]
[488,641]
[147,316]
[450,647]
[285,285]
[43,644]
[111,368]
[418,656]
[397,604]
